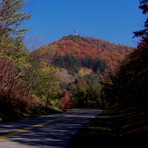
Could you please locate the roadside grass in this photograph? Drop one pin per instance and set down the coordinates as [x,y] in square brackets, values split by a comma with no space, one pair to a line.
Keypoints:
[117,126]
[28,113]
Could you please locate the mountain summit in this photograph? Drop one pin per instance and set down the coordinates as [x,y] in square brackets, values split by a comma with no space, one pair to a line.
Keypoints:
[83,47]
[85,52]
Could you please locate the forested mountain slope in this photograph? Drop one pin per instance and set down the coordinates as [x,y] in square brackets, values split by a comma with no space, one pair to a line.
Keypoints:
[74,51]
[83,64]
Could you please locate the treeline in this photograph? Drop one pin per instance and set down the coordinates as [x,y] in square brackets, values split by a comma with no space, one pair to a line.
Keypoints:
[130,85]
[74,64]
[25,83]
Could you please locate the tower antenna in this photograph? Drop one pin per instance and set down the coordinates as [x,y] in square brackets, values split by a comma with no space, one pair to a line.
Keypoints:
[75,32]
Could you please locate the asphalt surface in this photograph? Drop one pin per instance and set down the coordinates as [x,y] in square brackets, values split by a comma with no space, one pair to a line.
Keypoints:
[52,131]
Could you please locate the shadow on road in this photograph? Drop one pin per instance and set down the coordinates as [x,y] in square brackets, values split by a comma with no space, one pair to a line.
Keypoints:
[56,133]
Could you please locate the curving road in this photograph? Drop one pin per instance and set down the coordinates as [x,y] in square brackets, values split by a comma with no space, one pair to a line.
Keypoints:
[52,131]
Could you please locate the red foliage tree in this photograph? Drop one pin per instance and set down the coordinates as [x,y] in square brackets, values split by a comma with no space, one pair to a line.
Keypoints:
[66,101]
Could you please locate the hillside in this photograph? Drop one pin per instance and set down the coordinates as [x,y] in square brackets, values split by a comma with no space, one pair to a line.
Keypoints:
[77,51]
[82,47]
[83,64]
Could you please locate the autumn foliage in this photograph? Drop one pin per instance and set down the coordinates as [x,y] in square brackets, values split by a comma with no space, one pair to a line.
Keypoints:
[129,85]
[84,59]
[66,101]
[84,52]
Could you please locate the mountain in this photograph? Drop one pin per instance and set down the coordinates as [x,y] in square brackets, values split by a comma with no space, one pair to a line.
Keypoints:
[74,52]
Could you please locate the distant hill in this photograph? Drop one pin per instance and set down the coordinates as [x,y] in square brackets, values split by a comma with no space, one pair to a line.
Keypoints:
[73,52]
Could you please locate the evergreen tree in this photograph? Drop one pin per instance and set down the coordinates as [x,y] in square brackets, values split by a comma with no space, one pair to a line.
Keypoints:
[144,7]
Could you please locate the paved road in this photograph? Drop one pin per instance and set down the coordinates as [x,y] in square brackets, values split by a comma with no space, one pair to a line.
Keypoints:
[52,131]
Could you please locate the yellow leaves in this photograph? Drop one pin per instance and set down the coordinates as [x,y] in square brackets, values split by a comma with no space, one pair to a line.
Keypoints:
[23,62]
[48,83]
[85,71]
[46,68]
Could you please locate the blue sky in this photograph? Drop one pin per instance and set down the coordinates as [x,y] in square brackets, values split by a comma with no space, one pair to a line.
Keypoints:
[111,20]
